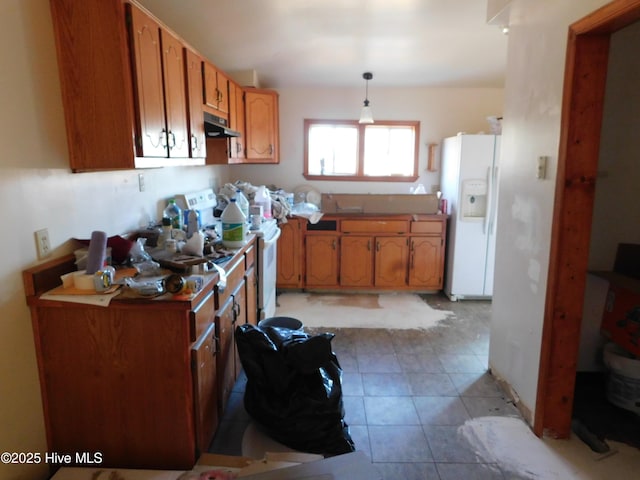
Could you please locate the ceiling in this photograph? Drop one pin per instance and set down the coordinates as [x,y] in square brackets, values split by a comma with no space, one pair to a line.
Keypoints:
[330,43]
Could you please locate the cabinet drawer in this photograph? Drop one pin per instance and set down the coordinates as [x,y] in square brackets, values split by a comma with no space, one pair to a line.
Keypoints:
[427,227]
[235,274]
[374,226]
[202,317]
[250,257]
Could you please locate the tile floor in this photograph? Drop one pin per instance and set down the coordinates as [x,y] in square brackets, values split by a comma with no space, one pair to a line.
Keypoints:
[406,392]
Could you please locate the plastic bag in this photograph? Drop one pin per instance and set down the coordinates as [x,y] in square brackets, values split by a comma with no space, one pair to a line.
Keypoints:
[294,388]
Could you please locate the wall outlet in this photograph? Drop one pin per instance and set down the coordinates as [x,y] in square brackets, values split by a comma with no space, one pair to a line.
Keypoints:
[43,246]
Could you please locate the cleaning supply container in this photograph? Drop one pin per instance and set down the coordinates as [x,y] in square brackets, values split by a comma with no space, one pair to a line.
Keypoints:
[234,226]
[263,198]
[623,382]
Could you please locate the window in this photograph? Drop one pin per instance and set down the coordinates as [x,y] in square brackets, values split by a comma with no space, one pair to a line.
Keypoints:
[348,150]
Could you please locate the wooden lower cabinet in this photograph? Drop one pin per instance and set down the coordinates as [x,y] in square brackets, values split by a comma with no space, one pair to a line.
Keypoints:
[290,248]
[321,260]
[356,261]
[394,252]
[142,381]
[425,262]
[205,386]
[118,381]
[391,261]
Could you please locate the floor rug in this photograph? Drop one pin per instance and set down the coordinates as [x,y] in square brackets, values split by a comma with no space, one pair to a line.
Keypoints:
[392,310]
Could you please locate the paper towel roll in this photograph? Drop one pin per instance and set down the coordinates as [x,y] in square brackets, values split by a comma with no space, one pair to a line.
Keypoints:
[97,249]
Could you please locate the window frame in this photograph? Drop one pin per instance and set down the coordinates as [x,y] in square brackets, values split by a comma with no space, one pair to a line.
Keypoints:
[360,176]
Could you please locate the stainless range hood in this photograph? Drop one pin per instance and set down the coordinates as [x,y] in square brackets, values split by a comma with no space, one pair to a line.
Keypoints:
[217,127]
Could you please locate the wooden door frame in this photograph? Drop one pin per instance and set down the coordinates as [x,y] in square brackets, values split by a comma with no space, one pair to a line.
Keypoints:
[582,106]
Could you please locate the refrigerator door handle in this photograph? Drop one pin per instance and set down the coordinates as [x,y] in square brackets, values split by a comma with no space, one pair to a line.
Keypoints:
[487,214]
[494,200]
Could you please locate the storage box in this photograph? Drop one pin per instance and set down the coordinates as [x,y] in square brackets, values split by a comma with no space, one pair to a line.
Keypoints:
[621,317]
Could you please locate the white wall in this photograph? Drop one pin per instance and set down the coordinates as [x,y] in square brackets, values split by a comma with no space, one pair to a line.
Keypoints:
[441,111]
[533,97]
[38,191]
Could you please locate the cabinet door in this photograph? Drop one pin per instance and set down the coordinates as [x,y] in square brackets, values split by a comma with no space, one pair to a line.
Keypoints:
[391,261]
[321,260]
[356,261]
[236,122]
[197,138]
[152,134]
[251,289]
[239,318]
[289,254]
[226,356]
[261,120]
[205,387]
[425,263]
[211,94]
[175,95]
[223,94]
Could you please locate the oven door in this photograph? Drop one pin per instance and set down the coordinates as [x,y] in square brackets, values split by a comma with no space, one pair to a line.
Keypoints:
[267,274]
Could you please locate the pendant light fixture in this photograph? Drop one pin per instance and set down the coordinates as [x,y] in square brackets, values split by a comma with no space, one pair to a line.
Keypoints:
[365,115]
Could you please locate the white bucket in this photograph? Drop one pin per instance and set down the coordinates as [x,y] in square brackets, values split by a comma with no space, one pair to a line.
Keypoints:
[623,383]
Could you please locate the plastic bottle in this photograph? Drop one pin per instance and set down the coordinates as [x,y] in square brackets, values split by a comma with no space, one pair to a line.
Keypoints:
[263,198]
[242,202]
[234,226]
[174,213]
[193,222]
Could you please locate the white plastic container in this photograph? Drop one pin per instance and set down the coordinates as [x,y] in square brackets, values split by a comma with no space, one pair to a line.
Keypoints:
[623,382]
[243,203]
[234,226]
[263,198]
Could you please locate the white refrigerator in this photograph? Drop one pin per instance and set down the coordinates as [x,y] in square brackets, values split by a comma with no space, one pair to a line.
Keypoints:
[469,183]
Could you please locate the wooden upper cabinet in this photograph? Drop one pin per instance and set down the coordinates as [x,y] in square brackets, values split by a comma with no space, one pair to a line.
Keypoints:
[175,95]
[123,86]
[236,122]
[261,121]
[152,137]
[160,89]
[197,138]
[97,93]
[216,90]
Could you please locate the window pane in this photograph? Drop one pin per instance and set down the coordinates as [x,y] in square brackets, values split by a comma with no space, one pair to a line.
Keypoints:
[389,150]
[333,150]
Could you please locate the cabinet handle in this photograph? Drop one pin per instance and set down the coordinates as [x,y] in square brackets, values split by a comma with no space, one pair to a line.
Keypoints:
[173,140]
[369,245]
[333,244]
[163,138]
[194,143]
[238,147]
[377,246]
[270,149]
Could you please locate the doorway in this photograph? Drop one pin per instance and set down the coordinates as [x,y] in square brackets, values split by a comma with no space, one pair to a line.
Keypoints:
[582,107]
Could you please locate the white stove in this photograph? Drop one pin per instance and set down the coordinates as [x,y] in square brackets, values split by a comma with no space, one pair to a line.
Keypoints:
[267,255]
[204,202]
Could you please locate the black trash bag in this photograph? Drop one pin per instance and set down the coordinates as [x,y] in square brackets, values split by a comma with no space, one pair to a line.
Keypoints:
[294,388]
